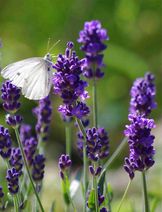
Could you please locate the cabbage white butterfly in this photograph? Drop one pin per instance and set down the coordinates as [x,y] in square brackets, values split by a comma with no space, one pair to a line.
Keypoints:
[32,75]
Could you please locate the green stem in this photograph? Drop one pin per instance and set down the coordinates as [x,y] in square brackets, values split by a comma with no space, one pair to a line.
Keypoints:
[27,168]
[113,157]
[124,195]
[96,193]
[16,206]
[68,139]
[85,162]
[94,94]
[147,208]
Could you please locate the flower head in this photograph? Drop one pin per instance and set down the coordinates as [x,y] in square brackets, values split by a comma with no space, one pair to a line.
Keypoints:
[140,142]
[25,132]
[143,95]
[68,84]
[5,143]
[38,167]
[13,120]
[97,143]
[16,160]
[92,37]
[43,113]
[64,164]
[10,95]
[13,181]
[30,147]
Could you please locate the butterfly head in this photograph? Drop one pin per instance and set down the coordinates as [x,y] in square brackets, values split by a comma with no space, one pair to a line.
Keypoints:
[48,57]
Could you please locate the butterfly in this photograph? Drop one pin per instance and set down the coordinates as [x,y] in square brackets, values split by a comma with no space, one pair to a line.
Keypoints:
[32,75]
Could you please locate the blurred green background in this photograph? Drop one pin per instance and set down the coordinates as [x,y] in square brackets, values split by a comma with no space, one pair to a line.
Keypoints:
[134,28]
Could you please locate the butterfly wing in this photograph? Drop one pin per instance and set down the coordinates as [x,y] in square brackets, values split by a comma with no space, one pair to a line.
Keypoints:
[31,75]
[38,84]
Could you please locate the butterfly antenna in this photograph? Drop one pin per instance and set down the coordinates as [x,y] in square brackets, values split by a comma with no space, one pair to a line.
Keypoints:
[54,45]
[48,44]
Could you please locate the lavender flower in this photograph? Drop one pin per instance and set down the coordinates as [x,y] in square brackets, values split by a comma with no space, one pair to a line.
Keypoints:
[92,37]
[103,210]
[140,142]
[10,95]
[30,147]
[64,164]
[43,113]
[13,181]
[5,143]
[38,167]
[13,120]
[101,199]
[68,84]
[143,95]
[16,160]
[97,143]
[1,193]
[25,132]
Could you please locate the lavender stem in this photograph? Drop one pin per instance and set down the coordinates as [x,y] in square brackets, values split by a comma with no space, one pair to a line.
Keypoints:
[94,94]
[147,208]
[68,139]
[27,168]
[85,162]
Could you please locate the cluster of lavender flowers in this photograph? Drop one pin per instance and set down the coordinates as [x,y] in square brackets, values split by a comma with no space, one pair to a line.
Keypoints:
[43,113]
[139,135]
[68,84]
[10,96]
[92,37]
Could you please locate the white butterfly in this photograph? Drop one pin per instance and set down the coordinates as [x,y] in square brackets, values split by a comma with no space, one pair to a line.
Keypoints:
[32,75]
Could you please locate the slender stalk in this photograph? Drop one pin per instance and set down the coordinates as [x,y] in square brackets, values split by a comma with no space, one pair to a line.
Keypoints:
[124,195]
[85,162]
[147,208]
[27,168]
[68,139]
[96,193]
[113,156]
[94,94]
[16,207]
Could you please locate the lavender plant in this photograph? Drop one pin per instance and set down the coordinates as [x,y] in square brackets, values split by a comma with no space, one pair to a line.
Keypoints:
[25,160]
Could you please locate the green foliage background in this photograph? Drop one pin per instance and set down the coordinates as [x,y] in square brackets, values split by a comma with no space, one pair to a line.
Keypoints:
[134,28]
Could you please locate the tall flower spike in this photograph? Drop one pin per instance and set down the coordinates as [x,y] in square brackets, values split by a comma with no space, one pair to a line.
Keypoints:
[92,37]
[13,181]
[30,147]
[38,168]
[97,143]
[140,142]
[10,95]
[16,160]
[25,132]
[143,95]
[43,113]
[68,84]
[5,143]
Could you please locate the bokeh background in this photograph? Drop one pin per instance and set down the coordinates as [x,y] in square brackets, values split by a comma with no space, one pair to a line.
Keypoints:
[135,45]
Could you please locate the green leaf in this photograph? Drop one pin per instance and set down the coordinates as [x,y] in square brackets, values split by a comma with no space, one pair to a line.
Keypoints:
[101,182]
[91,199]
[110,192]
